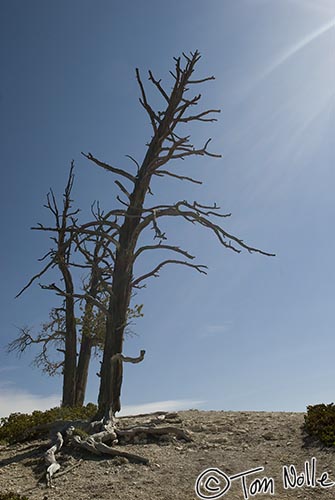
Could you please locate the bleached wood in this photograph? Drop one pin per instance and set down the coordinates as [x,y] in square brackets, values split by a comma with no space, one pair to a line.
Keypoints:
[50,459]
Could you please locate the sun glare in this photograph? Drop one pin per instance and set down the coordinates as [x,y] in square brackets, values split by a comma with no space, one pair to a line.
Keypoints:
[298,47]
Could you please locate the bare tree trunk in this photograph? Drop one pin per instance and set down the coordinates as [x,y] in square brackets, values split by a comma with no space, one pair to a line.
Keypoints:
[112,372]
[70,354]
[82,368]
[84,353]
[87,340]
[62,257]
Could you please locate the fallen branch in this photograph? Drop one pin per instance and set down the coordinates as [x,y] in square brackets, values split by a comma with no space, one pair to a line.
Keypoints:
[50,459]
[100,448]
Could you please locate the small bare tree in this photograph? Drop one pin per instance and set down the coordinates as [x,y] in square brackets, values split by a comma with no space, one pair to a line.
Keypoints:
[59,256]
[59,335]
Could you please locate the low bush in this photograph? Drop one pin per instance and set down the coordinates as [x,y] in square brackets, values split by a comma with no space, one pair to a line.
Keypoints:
[14,427]
[320,423]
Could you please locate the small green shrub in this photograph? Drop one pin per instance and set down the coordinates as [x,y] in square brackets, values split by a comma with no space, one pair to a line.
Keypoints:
[12,496]
[13,428]
[320,423]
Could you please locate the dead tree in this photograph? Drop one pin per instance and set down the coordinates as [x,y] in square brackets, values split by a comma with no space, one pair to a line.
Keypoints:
[95,294]
[122,229]
[59,256]
[62,327]
[59,334]
[166,145]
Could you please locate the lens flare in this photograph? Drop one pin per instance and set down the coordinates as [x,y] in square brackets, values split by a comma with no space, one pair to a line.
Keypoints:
[297,48]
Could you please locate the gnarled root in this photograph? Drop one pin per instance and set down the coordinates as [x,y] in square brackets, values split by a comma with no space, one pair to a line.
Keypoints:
[100,448]
[97,443]
[104,435]
[50,459]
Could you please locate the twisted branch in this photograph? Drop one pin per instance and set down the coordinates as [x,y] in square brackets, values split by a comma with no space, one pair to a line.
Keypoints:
[154,273]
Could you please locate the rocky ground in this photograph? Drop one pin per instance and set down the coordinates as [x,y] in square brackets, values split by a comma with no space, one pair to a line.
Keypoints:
[233,442]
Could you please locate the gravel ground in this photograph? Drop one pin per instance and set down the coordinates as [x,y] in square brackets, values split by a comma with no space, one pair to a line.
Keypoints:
[233,442]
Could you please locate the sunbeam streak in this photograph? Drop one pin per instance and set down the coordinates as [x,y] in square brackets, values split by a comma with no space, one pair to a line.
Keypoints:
[297,48]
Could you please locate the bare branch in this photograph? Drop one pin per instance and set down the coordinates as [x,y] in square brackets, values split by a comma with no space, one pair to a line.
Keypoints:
[136,162]
[158,232]
[162,160]
[194,215]
[24,340]
[155,272]
[38,275]
[180,177]
[176,146]
[206,210]
[52,206]
[85,296]
[127,359]
[202,80]
[158,85]
[200,116]
[187,103]
[123,189]
[115,170]
[46,255]
[180,111]
[84,229]
[162,247]
[103,221]
[122,202]
[173,75]
[52,335]
[152,115]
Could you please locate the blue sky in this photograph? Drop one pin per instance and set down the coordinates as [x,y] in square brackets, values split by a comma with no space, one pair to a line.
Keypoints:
[256,333]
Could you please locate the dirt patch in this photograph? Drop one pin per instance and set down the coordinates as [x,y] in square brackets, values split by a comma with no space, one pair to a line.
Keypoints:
[233,442]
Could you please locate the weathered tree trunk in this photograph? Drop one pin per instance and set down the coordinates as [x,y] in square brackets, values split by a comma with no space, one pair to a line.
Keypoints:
[111,373]
[70,355]
[85,352]
[87,333]
[62,259]
[82,368]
